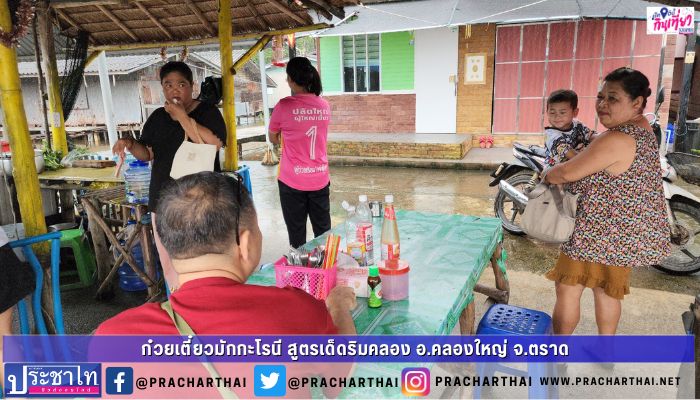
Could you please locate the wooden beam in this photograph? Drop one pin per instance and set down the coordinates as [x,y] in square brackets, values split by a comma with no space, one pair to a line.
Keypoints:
[229,98]
[318,8]
[194,42]
[91,57]
[250,53]
[15,124]
[207,25]
[57,21]
[325,4]
[264,26]
[57,4]
[286,10]
[153,19]
[500,296]
[68,19]
[117,21]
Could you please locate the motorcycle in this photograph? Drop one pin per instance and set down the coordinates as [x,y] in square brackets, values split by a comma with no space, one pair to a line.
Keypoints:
[682,207]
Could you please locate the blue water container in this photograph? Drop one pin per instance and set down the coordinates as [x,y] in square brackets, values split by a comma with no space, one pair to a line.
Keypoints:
[128,280]
[137,179]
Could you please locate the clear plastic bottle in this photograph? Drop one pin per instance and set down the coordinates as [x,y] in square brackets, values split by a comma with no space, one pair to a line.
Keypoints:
[356,249]
[365,230]
[390,231]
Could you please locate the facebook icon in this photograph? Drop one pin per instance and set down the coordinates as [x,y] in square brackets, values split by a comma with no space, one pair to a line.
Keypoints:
[119,380]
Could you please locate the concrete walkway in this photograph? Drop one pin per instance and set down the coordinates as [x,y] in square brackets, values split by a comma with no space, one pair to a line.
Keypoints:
[476,159]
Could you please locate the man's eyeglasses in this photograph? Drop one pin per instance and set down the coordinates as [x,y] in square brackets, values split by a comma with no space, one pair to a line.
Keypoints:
[239,199]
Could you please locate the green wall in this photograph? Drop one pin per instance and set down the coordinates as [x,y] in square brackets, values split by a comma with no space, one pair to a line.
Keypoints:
[330,64]
[397,61]
[397,66]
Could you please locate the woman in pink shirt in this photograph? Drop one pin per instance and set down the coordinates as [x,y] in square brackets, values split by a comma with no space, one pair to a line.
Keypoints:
[300,123]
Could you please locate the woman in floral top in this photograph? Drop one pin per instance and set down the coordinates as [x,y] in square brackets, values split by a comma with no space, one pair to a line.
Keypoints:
[621,218]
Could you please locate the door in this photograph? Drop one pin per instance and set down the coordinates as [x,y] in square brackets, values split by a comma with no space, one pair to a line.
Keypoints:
[435,74]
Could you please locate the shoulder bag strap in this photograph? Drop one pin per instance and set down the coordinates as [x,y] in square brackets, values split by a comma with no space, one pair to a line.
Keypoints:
[184,328]
[558,195]
[196,131]
[538,190]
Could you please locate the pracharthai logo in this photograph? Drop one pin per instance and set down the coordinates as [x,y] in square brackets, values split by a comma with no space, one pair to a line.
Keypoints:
[53,380]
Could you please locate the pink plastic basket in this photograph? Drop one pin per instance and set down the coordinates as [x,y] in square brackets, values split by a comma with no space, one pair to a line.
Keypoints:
[314,281]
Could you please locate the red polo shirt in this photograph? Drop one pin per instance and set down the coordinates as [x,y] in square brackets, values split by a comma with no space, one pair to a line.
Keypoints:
[222,306]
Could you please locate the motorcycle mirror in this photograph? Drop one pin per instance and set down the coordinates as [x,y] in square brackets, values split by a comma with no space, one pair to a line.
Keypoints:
[660,96]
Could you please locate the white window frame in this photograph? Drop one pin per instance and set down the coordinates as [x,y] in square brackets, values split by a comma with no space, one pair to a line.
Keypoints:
[354,66]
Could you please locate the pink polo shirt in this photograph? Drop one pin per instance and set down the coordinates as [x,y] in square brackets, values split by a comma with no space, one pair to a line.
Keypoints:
[303,120]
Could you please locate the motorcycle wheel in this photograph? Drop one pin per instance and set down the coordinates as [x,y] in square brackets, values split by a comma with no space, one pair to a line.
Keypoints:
[685,256]
[505,208]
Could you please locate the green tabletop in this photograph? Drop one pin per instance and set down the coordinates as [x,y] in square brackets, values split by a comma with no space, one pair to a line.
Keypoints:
[447,254]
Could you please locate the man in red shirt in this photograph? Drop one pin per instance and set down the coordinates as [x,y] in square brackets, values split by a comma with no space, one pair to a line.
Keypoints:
[209,227]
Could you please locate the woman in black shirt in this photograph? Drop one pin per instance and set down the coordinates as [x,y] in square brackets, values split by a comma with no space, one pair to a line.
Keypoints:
[164,132]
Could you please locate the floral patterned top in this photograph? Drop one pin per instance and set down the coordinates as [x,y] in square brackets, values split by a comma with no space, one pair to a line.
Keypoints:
[621,220]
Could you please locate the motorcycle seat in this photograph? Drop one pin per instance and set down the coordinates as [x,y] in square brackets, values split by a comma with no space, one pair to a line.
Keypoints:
[534,150]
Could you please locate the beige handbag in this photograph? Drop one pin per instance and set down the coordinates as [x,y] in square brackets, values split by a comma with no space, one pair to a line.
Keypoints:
[191,158]
[550,214]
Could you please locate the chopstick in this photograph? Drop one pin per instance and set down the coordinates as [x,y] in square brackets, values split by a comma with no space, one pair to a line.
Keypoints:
[332,246]
[328,252]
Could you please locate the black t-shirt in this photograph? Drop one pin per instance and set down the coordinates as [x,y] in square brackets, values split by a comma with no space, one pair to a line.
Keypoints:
[164,136]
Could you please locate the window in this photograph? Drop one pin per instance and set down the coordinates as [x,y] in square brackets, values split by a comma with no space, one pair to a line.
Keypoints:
[361,63]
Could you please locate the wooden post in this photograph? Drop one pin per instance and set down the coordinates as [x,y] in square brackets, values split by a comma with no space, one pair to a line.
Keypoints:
[41,82]
[226,51]
[146,250]
[106,90]
[502,284]
[99,243]
[265,99]
[48,52]
[466,319]
[24,172]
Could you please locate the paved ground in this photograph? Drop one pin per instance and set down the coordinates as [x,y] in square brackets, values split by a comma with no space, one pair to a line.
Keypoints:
[654,307]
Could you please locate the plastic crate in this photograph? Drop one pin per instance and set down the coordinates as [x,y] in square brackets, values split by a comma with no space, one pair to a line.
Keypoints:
[314,281]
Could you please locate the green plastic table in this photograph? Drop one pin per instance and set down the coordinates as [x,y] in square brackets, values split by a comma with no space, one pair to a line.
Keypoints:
[447,255]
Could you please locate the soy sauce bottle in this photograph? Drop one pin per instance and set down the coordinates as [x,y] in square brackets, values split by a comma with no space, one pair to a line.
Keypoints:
[374,282]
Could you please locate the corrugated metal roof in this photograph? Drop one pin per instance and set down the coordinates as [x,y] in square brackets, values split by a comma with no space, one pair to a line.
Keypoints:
[116,65]
[425,14]
[126,64]
[213,59]
[25,47]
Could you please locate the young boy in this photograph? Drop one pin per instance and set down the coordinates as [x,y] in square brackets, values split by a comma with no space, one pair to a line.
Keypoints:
[565,136]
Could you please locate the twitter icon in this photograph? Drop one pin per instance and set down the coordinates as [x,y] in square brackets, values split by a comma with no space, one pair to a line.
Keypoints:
[270,380]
